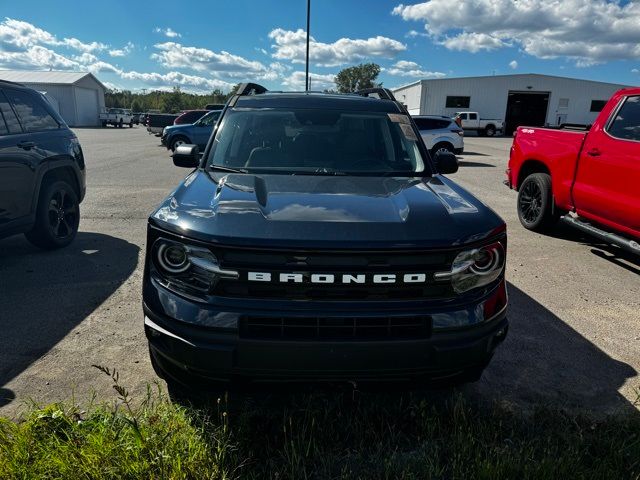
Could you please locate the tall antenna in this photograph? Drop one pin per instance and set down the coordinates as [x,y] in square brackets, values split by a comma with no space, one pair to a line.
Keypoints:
[306,81]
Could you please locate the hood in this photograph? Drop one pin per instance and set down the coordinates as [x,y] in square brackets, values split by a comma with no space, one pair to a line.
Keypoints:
[325,211]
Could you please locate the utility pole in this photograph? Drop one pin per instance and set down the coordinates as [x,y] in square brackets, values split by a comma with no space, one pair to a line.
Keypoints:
[307,84]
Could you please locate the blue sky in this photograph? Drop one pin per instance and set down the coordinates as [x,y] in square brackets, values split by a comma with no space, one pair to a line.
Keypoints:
[215,44]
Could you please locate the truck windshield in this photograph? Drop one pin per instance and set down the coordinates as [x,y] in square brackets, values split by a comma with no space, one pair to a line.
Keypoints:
[317,142]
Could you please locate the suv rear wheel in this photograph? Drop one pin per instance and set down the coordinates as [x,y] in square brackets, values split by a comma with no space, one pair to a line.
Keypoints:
[57,216]
[535,203]
[441,147]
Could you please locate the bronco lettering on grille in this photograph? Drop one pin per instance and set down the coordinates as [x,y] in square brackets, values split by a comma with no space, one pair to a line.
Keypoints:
[346,278]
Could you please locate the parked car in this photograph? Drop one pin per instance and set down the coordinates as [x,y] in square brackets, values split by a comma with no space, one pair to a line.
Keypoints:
[589,178]
[157,121]
[42,171]
[136,118]
[116,117]
[189,116]
[317,240]
[197,133]
[440,134]
[483,126]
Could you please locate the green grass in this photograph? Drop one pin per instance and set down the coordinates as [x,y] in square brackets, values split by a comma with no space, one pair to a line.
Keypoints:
[315,435]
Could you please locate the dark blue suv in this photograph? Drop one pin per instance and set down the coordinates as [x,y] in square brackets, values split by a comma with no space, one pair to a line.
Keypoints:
[42,171]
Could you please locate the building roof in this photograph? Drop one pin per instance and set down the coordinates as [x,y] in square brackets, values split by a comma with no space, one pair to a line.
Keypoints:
[52,77]
[509,75]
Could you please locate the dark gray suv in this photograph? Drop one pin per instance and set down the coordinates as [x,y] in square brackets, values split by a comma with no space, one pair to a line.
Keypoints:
[42,171]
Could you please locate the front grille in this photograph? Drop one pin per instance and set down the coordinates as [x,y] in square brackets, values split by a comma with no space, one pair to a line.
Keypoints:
[335,328]
[368,263]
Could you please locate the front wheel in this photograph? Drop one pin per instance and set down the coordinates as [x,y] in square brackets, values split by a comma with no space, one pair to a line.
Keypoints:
[177,142]
[57,216]
[120,124]
[535,203]
[130,124]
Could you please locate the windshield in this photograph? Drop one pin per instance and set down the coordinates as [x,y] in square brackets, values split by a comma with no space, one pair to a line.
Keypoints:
[314,141]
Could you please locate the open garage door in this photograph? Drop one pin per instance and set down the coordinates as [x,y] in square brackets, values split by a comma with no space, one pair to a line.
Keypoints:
[86,107]
[526,109]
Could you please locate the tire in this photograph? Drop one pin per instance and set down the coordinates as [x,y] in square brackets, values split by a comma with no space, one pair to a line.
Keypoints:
[104,124]
[490,131]
[130,124]
[536,211]
[57,216]
[177,142]
[120,124]
[442,146]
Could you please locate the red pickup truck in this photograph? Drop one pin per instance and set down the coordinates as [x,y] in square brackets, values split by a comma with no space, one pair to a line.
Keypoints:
[588,178]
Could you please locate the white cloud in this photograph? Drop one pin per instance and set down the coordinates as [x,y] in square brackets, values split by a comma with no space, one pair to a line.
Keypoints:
[414,34]
[85,58]
[635,70]
[405,68]
[472,42]
[290,45]
[37,58]
[18,35]
[296,81]
[171,79]
[122,52]
[167,32]
[587,31]
[513,64]
[175,55]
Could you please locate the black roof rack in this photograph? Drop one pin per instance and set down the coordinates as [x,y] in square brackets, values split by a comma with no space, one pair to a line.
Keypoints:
[250,89]
[377,92]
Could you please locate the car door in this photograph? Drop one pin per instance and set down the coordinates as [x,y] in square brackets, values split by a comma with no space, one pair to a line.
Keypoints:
[607,184]
[17,167]
[202,129]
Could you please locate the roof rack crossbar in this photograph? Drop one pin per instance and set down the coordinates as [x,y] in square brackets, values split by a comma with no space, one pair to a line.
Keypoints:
[377,92]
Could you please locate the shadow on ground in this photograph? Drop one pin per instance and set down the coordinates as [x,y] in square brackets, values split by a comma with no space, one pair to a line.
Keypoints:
[46,294]
[466,163]
[545,361]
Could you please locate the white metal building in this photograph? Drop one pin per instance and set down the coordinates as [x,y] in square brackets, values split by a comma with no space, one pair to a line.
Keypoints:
[77,96]
[520,99]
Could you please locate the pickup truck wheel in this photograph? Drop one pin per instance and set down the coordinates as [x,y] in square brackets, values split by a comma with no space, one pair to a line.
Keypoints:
[57,216]
[490,131]
[120,124]
[130,124]
[535,203]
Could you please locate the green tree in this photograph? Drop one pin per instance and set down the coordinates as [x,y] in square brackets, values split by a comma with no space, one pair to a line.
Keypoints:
[358,77]
[136,105]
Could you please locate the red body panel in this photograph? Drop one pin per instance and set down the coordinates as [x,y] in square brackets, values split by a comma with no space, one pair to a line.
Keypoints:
[592,173]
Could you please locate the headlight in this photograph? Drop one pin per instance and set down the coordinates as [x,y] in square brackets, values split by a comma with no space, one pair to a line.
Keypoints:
[475,268]
[188,266]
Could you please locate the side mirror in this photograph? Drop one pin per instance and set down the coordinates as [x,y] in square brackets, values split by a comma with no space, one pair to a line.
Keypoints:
[186,155]
[446,162]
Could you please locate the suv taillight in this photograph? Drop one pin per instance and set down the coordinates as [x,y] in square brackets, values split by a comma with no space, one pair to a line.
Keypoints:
[459,132]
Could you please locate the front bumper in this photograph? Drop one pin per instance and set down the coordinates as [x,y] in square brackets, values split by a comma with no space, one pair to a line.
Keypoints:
[196,354]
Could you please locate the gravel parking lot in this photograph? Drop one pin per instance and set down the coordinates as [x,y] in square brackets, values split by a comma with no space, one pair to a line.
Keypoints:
[574,303]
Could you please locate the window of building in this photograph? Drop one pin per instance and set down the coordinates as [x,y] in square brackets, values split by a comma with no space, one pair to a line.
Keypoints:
[31,111]
[626,124]
[597,105]
[563,103]
[458,102]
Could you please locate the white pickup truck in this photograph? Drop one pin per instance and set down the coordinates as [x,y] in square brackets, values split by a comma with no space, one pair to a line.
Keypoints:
[484,126]
[116,117]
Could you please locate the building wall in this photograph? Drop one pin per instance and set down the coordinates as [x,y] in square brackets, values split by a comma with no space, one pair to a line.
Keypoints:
[489,95]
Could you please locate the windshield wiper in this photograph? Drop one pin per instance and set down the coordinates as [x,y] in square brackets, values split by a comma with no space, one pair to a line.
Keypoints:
[221,168]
